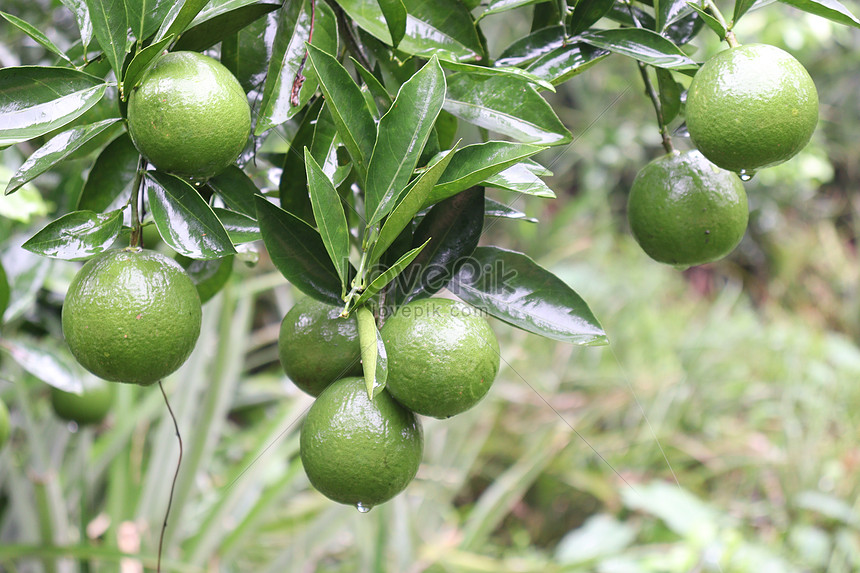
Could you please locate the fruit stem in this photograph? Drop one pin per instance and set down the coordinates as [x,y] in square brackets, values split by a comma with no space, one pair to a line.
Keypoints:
[715,12]
[658,108]
[136,240]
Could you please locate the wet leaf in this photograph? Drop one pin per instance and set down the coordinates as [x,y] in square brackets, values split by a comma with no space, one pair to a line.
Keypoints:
[395,18]
[110,26]
[443,28]
[298,252]
[142,62]
[294,22]
[561,64]
[184,220]
[236,189]
[508,71]
[178,17]
[670,95]
[293,187]
[35,100]
[741,8]
[240,227]
[643,45]
[109,183]
[475,163]
[520,178]
[329,217]
[499,210]
[46,364]
[531,47]
[145,16]
[513,288]
[346,104]
[405,210]
[36,34]
[505,106]
[208,276]
[586,13]
[830,9]
[82,17]
[499,6]
[390,274]
[710,21]
[55,151]
[453,228]
[204,33]
[77,235]
[401,136]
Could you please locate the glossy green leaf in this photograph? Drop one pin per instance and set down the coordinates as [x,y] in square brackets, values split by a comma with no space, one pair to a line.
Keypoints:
[82,17]
[110,26]
[108,186]
[511,72]
[145,16]
[36,34]
[499,210]
[741,8]
[77,235]
[505,106]
[668,11]
[563,63]
[670,95]
[46,364]
[184,220]
[142,61]
[830,9]
[520,178]
[475,163]
[236,189]
[443,28]
[240,227]
[35,100]
[288,51]
[499,6]
[401,136]
[222,24]
[251,55]
[406,209]
[686,27]
[390,274]
[374,359]
[293,186]
[346,105]
[711,22]
[644,45]
[453,228]
[5,292]
[208,276]
[298,252]
[381,96]
[329,217]
[531,47]
[513,288]
[179,17]
[56,150]
[325,146]
[586,13]
[621,13]
[394,12]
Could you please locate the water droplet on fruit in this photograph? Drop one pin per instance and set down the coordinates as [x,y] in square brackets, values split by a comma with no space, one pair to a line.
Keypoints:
[746,175]
[363,508]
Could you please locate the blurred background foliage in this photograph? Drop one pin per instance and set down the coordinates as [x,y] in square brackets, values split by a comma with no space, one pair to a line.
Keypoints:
[717,432]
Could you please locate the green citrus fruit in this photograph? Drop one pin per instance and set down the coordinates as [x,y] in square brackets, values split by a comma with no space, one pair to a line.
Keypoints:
[5,427]
[359,451]
[189,115]
[317,346]
[89,407]
[131,316]
[683,210]
[750,107]
[442,356]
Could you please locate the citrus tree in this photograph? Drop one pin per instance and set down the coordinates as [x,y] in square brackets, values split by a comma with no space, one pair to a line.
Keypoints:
[351,143]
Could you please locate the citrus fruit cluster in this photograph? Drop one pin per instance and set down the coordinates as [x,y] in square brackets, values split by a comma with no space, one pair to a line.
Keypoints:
[442,358]
[131,316]
[747,108]
[189,116]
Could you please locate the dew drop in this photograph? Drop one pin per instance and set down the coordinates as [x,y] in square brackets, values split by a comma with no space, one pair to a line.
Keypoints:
[363,508]
[746,175]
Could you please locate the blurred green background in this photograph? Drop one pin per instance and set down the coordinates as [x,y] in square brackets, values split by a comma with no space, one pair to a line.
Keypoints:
[717,432]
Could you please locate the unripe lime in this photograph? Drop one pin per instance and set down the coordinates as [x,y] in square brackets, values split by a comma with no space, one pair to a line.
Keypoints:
[189,115]
[683,210]
[131,316]
[750,107]
[89,407]
[442,356]
[359,451]
[316,346]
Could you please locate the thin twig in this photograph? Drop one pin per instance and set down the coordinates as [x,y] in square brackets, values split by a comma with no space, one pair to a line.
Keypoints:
[136,231]
[658,108]
[175,475]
